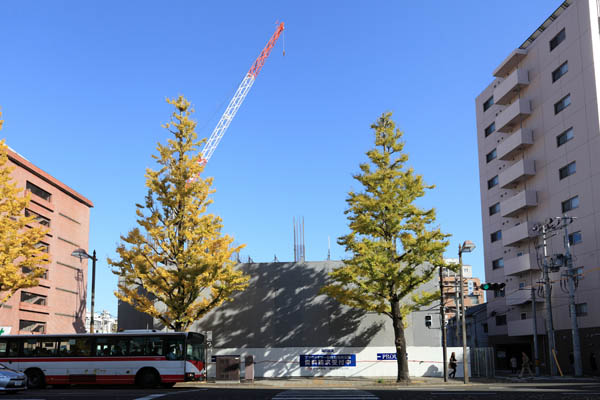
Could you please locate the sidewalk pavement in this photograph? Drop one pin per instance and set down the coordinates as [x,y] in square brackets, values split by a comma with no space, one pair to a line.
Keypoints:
[386,382]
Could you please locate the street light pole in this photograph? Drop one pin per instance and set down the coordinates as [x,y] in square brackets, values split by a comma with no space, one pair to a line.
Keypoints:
[466,247]
[81,253]
[443,325]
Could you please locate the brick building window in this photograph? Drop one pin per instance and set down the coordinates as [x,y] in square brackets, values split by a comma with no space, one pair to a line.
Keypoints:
[32,326]
[40,219]
[38,191]
[33,298]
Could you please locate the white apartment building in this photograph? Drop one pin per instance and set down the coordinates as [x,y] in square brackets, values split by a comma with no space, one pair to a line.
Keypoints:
[538,134]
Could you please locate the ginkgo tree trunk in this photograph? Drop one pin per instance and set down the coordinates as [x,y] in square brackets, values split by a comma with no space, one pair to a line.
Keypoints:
[393,246]
[22,260]
[177,265]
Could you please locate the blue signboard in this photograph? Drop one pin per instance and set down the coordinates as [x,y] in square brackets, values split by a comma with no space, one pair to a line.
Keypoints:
[328,360]
[386,356]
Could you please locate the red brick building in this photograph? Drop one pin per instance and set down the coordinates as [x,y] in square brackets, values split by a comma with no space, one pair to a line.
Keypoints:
[58,304]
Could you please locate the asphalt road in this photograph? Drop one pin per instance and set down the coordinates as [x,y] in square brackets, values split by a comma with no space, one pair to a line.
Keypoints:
[480,392]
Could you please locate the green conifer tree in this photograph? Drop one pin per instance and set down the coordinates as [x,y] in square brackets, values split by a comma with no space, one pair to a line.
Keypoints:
[379,276]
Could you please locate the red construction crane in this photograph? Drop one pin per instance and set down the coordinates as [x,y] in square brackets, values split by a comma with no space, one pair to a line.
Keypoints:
[238,98]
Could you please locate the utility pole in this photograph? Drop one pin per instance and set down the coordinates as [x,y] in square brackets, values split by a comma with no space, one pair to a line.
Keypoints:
[535,334]
[571,279]
[548,303]
[443,324]
[456,305]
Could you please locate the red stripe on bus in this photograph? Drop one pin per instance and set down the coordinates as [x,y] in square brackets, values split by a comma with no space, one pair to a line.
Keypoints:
[108,379]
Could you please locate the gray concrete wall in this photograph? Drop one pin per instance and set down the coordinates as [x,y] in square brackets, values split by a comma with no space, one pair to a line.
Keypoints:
[282,307]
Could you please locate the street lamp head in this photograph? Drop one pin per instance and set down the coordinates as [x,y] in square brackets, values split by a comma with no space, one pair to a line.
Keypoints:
[80,253]
[467,246]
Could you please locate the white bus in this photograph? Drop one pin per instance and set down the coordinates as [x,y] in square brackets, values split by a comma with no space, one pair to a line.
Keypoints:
[144,358]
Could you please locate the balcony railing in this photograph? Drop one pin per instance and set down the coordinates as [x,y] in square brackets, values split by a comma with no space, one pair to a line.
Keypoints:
[515,235]
[517,172]
[514,143]
[510,87]
[522,263]
[513,115]
[522,200]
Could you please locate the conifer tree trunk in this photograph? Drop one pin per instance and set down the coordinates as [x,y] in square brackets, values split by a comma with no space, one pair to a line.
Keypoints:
[400,342]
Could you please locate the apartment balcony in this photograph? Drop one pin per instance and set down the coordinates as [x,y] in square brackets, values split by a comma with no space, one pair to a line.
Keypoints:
[514,205]
[523,327]
[515,235]
[519,264]
[510,87]
[513,144]
[512,115]
[510,63]
[517,172]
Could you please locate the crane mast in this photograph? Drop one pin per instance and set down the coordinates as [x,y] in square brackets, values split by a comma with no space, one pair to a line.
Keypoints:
[238,98]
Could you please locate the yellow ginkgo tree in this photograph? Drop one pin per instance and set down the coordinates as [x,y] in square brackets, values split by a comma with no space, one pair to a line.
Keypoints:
[177,265]
[22,260]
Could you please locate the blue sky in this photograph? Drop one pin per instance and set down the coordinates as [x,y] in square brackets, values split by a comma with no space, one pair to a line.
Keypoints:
[82,89]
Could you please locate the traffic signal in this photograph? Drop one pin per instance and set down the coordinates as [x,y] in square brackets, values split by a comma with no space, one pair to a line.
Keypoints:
[492,286]
[428,321]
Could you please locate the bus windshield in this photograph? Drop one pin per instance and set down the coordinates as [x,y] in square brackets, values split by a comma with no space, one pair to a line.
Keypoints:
[195,347]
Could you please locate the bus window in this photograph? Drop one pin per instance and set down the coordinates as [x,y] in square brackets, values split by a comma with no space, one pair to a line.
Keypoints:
[75,346]
[174,347]
[136,346]
[48,348]
[31,347]
[111,346]
[154,346]
[13,348]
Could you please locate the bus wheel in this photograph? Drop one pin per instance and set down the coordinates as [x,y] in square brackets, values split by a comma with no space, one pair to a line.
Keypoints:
[35,378]
[147,378]
[167,385]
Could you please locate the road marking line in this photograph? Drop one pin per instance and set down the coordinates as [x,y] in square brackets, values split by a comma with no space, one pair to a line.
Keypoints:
[151,396]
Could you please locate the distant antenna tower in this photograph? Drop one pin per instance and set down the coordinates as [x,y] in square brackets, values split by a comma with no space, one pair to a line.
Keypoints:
[299,249]
[328,249]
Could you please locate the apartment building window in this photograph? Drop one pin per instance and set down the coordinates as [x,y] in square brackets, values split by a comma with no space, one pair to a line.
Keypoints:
[558,39]
[567,170]
[44,246]
[500,320]
[570,204]
[575,238]
[560,71]
[521,285]
[564,137]
[499,292]
[485,328]
[33,298]
[490,156]
[523,315]
[38,191]
[581,309]
[488,103]
[474,299]
[32,326]
[493,182]
[562,104]
[490,129]
[499,263]
[40,219]
[495,209]
[496,236]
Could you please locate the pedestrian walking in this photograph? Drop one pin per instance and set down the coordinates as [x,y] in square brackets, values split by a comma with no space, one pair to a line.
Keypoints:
[513,364]
[452,365]
[525,366]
